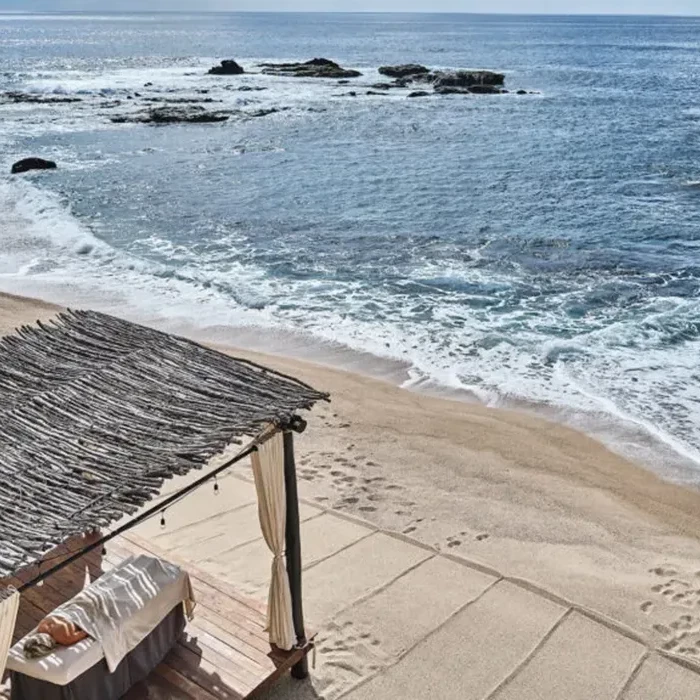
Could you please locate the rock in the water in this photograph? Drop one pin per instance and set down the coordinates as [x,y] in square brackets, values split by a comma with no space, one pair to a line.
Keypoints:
[251,88]
[485,89]
[448,90]
[374,92]
[180,100]
[226,68]
[265,112]
[29,98]
[315,68]
[521,92]
[404,71]
[471,90]
[27,164]
[419,93]
[172,115]
[383,86]
[463,78]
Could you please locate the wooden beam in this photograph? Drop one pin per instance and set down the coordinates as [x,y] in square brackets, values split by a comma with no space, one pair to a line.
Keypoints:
[293,543]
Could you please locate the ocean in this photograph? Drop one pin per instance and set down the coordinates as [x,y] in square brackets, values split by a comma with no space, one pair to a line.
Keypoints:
[537,251]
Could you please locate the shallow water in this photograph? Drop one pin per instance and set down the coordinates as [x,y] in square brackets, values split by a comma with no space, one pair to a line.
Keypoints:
[541,251]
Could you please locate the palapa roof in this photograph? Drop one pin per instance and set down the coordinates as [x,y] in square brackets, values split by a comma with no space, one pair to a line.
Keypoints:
[95,412]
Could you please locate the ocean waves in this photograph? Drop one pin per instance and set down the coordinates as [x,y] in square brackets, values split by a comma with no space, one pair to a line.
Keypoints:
[539,253]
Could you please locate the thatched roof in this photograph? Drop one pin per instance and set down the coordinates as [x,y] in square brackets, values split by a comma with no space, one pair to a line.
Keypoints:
[95,412]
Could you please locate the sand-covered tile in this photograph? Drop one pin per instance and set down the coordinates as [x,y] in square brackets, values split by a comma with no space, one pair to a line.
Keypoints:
[472,653]
[248,566]
[416,604]
[580,661]
[661,679]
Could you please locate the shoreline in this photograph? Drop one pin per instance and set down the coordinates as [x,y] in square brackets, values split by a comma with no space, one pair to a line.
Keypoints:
[627,437]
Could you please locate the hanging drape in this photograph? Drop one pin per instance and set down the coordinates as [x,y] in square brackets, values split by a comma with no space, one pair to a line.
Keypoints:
[268,470]
[9,606]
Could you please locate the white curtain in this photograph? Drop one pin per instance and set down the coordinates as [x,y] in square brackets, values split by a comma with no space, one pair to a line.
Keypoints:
[9,606]
[268,470]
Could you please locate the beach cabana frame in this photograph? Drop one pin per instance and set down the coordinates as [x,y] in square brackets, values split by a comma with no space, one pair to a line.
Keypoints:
[96,412]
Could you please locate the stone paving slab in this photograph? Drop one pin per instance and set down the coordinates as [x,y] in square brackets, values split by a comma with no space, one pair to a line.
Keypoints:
[473,652]
[416,604]
[660,679]
[582,660]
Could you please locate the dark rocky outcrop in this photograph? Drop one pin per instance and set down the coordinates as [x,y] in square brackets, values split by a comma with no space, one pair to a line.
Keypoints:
[463,78]
[485,90]
[403,71]
[419,93]
[27,164]
[521,92]
[29,98]
[172,115]
[315,68]
[226,68]
[471,90]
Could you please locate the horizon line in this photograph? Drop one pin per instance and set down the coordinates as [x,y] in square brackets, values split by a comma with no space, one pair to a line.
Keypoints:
[349,12]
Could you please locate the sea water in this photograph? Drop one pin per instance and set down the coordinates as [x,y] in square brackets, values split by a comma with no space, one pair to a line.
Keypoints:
[539,251]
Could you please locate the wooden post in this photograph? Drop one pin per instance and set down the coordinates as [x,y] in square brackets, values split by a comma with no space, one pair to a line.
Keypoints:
[293,545]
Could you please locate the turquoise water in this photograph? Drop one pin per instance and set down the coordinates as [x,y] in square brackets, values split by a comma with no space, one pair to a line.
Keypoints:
[541,251]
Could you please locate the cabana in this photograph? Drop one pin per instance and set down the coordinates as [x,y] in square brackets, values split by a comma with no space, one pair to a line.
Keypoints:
[95,413]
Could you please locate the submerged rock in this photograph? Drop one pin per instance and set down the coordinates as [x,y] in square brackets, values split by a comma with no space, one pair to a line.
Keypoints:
[251,88]
[419,93]
[264,112]
[315,68]
[226,68]
[29,98]
[27,164]
[403,71]
[172,115]
[180,100]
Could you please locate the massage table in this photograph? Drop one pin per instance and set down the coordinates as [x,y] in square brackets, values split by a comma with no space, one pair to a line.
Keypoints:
[82,672]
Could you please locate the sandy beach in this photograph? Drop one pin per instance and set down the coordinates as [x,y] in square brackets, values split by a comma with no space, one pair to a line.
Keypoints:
[508,492]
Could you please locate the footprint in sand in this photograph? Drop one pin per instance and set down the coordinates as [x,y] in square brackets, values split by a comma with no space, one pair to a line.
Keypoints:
[646,606]
[482,536]
[661,571]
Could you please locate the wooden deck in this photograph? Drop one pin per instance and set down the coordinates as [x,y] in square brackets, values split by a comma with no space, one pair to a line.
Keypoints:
[223,655]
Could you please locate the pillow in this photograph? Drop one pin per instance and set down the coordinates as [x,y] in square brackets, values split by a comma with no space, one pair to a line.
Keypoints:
[63,631]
